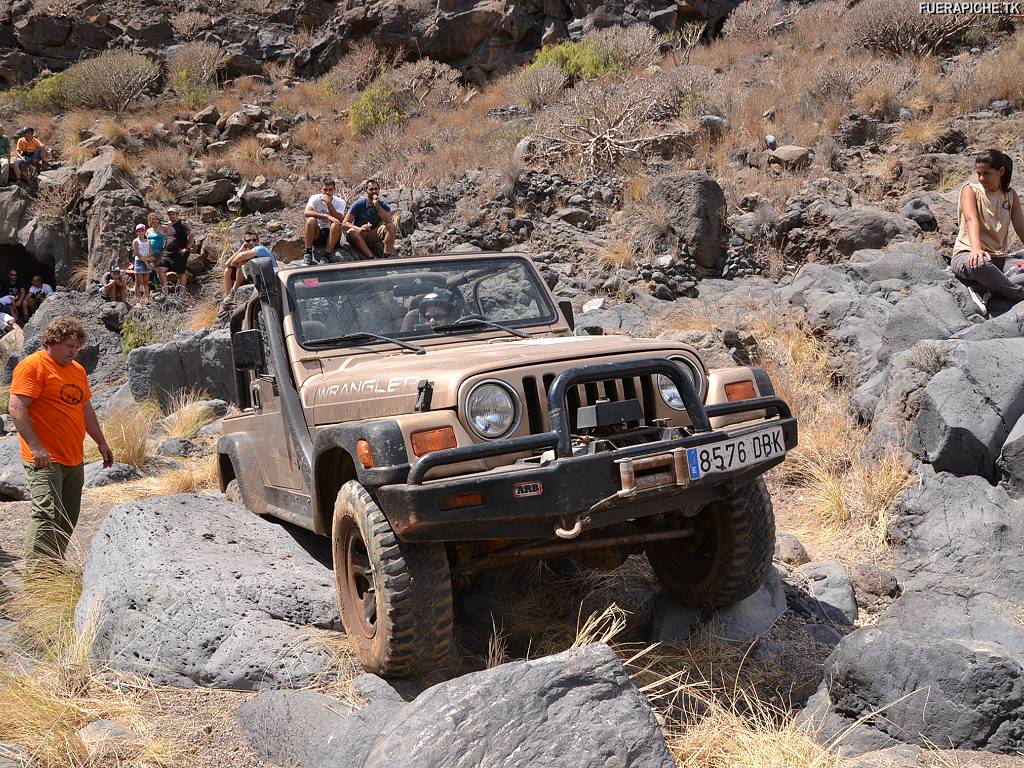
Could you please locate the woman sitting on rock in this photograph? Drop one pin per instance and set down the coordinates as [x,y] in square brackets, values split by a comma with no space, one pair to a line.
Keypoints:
[986,211]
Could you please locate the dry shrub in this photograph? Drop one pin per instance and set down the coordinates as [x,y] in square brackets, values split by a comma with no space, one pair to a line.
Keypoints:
[757,20]
[55,201]
[323,139]
[688,90]
[920,133]
[601,126]
[538,87]
[186,414]
[881,94]
[127,431]
[619,255]
[364,62]
[170,164]
[200,61]
[637,45]
[111,81]
[424,84]
[246,157]
[1001,75]
[898,28]
[188,24]
[204,314]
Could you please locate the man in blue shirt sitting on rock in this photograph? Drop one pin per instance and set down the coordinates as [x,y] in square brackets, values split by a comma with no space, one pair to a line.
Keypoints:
[250,250]
[369,225]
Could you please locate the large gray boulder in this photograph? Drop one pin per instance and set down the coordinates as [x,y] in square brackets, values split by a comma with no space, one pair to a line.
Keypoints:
[1011,460]
[829,584]
[528,713]
[200,359]
[696,213]
[856,228]
[13,486]
[192,590]
[970,406]
[924,690]
[577,708]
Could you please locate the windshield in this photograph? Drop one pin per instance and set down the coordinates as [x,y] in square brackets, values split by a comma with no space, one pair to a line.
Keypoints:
[410,301]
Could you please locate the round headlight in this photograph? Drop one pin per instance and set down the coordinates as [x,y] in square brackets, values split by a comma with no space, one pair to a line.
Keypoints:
[669,393]
[491,409]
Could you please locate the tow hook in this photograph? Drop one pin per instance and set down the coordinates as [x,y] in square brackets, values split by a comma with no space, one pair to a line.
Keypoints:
[570,533]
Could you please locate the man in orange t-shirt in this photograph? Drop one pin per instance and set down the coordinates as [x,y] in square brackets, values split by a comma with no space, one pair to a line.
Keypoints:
[51,410]
[29,150]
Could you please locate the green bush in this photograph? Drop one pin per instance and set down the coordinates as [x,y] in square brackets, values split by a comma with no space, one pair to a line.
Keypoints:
[192,95]
[112,81]
[137,333]
[47,95]
[580,60]
[376,106]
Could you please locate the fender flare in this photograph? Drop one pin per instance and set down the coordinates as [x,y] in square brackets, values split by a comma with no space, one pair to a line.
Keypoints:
[240,450]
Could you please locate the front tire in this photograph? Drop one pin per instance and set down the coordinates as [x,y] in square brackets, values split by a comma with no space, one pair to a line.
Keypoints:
[728,557]
[395,597]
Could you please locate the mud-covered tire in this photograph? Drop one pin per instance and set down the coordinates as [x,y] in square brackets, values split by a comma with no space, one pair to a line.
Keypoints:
[728,558]
[407,587]
[233,493]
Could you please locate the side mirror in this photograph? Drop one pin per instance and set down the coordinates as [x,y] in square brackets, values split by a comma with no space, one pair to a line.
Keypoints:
[566,306]
[247,350]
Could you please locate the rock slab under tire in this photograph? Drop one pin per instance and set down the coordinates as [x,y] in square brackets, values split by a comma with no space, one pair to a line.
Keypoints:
[739,540]
[406,587]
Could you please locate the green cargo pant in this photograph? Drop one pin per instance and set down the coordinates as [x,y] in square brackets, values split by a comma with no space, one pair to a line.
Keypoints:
[56,502]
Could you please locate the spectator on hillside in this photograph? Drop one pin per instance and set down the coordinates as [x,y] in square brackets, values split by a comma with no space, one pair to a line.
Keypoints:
[12,296]
[7,324]
[52,413]
[5,157]
[141,268]
[987,210]
[156,236]
[37,292]
[31,151]
[369,225]
[324,215]
[113,286]
[180,242]
[250,249]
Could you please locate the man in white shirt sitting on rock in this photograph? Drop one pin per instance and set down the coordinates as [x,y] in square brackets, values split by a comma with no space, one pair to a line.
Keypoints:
[324,215]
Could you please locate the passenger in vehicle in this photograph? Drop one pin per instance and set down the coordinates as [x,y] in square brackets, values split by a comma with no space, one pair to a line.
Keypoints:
[435,308]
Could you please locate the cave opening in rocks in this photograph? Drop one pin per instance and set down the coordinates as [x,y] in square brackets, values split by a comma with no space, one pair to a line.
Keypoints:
[27,265]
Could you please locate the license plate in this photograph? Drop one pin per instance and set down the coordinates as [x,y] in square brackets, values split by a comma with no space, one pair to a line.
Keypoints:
[736,453]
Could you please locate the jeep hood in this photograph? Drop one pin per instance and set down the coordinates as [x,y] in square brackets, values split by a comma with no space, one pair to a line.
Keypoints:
[366,386]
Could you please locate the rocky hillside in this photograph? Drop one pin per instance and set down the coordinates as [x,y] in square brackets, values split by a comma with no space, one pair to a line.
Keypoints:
[776,187]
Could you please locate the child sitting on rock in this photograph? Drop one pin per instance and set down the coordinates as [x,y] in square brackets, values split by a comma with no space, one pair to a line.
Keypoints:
[986,211]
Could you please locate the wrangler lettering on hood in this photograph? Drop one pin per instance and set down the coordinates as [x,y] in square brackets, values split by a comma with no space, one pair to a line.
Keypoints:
[346,390]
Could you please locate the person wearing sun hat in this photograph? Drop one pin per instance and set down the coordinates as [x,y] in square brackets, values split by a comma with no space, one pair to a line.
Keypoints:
[141,264]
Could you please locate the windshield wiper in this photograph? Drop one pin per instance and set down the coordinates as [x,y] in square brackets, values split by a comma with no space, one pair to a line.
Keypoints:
[366,336]
[473,321]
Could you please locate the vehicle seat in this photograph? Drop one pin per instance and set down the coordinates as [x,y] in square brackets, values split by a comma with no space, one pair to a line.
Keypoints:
[313,329]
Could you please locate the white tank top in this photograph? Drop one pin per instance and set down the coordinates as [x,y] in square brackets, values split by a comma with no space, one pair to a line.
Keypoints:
[143,247]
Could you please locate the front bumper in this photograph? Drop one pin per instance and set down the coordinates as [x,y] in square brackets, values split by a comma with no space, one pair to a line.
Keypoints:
[526,501]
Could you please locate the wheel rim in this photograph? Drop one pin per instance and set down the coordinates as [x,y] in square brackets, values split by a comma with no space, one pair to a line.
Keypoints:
[360,595]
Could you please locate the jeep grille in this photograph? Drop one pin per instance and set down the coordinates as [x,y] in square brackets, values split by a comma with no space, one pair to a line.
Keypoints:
[535,401]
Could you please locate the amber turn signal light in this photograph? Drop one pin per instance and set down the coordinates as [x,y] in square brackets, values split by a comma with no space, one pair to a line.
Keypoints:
[433,440]
[365,457]
[462,500]
[740,390]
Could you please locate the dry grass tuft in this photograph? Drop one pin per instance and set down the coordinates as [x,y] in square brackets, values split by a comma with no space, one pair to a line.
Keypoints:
[743,731]
[127,431]
[187,414]
[52,687]
[203,315]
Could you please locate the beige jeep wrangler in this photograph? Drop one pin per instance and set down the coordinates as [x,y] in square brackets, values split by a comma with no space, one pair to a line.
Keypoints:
[437,417]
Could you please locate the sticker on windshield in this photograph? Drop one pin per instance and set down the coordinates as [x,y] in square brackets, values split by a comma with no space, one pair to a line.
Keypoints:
[310,282]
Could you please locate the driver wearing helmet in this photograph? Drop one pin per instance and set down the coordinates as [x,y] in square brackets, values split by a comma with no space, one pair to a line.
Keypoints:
[434,308]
